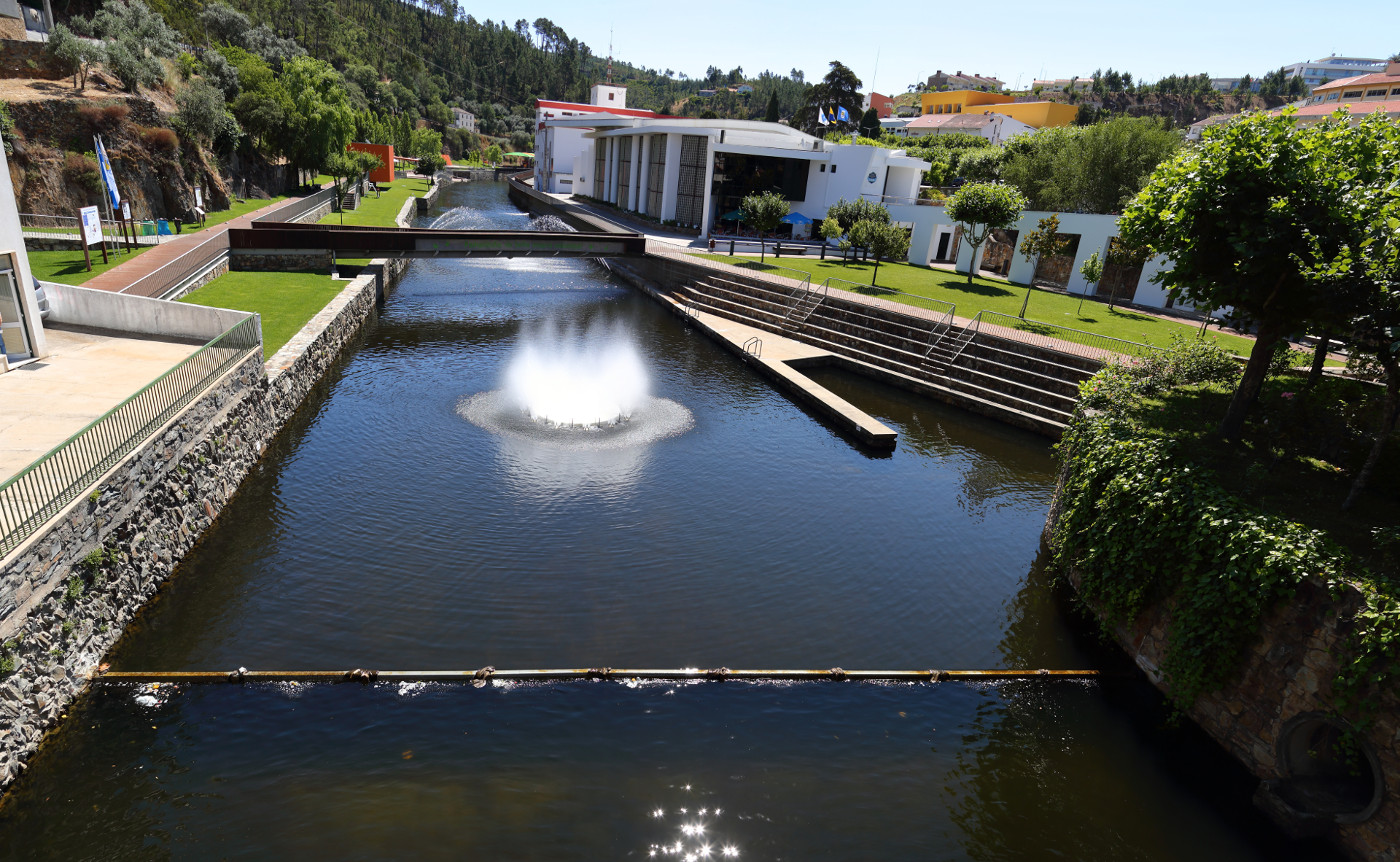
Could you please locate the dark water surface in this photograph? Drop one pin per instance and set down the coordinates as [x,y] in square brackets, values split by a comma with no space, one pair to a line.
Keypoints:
[384,530]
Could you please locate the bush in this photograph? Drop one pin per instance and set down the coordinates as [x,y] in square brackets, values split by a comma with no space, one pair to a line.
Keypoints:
[83,170]
[158,139]
[104,118]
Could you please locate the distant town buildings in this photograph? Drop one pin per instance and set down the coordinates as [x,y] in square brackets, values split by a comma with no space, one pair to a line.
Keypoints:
[1360,94]
[1063,85]
[995,127]
[883,105]
[958,81]
[1037,115]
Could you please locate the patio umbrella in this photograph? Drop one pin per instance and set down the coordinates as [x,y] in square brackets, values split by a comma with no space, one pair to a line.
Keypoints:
[796,218]
[736,215]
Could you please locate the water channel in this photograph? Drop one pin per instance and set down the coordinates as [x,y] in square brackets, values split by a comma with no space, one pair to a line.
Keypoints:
[385,530]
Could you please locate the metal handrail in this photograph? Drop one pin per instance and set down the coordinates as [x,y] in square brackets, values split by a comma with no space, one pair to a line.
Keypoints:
[294,212]
[41,226]
[162,279]
[45,487]
[973,327]
[801,298]
[1065,336]
[754,347]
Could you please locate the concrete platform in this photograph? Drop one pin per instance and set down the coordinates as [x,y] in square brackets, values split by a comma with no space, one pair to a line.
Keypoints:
[88,373]
[777,358]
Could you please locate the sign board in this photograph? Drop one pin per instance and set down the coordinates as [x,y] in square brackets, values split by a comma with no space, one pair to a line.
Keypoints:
[92,225]
[199,197]
[126,210]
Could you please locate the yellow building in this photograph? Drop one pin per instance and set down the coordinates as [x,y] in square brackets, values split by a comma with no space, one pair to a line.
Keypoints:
[960,101]
[1038,115]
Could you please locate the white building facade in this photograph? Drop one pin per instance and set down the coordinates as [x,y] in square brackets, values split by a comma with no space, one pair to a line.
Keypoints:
[694,172]
[1333,68]
[558,146]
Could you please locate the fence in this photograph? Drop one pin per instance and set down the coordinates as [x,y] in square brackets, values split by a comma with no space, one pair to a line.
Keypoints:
[1060,338]
[164,279]
[769,272]
[36,226]
[58,478]
[295,211]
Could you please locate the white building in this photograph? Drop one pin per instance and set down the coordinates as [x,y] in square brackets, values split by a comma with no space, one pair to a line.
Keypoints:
[1333,68]
[462,119]
[556,147]
[695,172]
[997,128]
[21,325]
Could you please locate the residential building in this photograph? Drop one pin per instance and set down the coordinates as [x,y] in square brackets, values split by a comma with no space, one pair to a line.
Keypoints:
[1229,85]
[695,172]
[557,147]
[1361,94]
[1036,114]
[883,105]
[1333,68]
[958,81]
[462,119]
[743,88]
[1197,129]
[894,124]
[995,127]
[1061,85]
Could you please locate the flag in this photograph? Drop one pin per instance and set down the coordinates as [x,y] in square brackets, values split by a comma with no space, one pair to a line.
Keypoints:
[842,115]
[821,117]
[108,180]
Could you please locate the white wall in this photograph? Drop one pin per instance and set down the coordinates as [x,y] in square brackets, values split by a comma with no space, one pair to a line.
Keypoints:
[84,306]
[12,240]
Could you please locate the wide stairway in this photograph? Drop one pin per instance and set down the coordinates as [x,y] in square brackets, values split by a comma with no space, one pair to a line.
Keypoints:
[1027,385]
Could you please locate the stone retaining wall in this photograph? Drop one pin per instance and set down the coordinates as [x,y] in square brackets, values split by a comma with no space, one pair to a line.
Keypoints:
[290,260]
[1269,717]
[68,592]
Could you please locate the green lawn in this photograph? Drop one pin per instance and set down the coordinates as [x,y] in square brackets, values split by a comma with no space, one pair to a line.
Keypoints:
[286,300]
[381,211]
[67,267]
[236,210]
[1045,306]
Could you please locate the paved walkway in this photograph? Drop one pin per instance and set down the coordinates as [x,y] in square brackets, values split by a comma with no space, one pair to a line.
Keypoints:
[44,403]
[120,278]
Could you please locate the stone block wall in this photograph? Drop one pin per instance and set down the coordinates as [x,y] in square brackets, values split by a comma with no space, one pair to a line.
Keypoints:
[248,260]
[67,593]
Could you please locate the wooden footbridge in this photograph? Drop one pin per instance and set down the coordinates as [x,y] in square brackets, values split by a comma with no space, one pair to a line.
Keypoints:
[361,242]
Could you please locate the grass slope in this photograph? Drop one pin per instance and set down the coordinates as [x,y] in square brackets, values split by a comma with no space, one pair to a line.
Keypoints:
[286,300]
[67,266]
[1045,306]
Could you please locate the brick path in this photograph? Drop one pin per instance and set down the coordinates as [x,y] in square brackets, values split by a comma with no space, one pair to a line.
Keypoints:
[119,278]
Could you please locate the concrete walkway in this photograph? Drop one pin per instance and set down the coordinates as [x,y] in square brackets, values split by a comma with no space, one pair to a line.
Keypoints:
[44,403]
[120,278]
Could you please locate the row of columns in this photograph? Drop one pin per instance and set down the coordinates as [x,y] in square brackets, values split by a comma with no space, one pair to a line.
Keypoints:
[639,175]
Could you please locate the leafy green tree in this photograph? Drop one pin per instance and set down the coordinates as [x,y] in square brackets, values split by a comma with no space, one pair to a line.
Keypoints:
[430,164]
[1234,215]
[492,155]
[137,39]
[847,213]
[74,55]
[1092,270]
[204,116]
[839,89]
[829,228]
[1045,241]
[424,142]
[981,208]
[981,166]
[320,115]
[765,212]
[1096,168]
[884,240]
[771,115]
[870,124]
[221,73]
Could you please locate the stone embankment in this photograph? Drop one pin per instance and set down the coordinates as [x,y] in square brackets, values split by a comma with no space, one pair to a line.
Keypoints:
[67,594]
[1279,717]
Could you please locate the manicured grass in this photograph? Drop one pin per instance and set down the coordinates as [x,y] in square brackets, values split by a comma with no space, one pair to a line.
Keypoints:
[67,267]
[1045,306]
[381,211]
[236,210]
[286,300]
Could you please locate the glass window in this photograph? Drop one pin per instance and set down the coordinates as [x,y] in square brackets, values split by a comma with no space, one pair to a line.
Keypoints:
[1395,91]
[1352,94]
[1378,92]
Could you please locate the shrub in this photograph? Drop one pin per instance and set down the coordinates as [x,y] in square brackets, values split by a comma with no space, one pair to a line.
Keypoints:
[83,170]
[158,139]
[104,118]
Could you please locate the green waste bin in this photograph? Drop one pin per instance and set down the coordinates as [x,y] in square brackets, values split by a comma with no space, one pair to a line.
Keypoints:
[148,228]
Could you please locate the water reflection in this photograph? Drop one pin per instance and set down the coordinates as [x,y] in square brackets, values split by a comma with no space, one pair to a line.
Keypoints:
[689,828]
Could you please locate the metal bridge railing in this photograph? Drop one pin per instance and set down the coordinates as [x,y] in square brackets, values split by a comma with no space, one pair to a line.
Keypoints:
[295,211]
[162,280]
[944,309]
[40,226]
[1063,339]
[45,487]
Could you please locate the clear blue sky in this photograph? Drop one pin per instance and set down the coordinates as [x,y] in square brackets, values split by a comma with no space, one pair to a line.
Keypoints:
[1009,40]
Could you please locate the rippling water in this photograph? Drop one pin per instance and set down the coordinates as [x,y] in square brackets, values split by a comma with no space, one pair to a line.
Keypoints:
[385,530]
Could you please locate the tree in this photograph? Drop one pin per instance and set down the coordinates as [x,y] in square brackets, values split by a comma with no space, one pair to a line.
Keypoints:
[423,142]
[1234,215]
[74,55]
[771,114]
[885,241]
[765,212]
[847,213]
[430,164]
[1092,270]
[981,166]
[1044,241]
[137,39]
[320,118]
[981,208]
[492,155]
[870,124]
[204,116]
[839,89]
